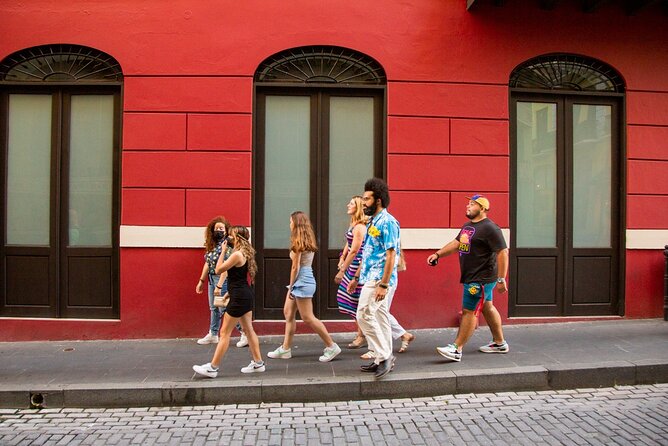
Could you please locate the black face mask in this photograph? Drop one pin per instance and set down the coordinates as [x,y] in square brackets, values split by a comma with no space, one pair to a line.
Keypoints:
[218,236]
[230,243]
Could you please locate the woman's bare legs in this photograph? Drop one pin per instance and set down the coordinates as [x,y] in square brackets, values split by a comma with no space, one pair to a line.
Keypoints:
[224,342]
[290,313]
[253,341]
[305,307]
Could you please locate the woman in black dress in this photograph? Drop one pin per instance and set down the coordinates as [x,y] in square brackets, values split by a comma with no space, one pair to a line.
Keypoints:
[239,266]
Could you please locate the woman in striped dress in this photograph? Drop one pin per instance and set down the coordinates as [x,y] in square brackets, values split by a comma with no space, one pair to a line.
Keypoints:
[349,263]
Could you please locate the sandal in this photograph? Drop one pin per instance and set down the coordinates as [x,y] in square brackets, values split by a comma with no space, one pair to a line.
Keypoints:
[405,343]
[358,342]
[368,355]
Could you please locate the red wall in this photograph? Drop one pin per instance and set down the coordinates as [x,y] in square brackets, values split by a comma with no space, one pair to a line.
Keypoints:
[644,283]
[188,103]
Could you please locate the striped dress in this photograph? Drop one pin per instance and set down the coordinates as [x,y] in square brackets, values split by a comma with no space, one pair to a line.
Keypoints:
[348,302]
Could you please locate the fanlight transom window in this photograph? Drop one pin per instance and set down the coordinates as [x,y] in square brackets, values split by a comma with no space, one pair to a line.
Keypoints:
[60,63]
[321,64]
[567,72]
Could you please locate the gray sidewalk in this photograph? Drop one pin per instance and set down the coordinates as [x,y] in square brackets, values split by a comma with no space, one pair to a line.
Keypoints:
[158,372]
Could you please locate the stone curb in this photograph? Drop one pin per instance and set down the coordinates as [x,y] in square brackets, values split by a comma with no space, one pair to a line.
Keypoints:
[396,385]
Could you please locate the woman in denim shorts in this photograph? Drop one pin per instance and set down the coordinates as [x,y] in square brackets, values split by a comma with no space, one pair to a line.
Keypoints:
[301,290]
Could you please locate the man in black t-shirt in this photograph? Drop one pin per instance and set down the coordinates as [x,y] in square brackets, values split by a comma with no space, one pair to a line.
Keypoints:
[483,261]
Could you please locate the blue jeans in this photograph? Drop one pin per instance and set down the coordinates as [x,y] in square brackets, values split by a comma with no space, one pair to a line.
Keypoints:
[217,312]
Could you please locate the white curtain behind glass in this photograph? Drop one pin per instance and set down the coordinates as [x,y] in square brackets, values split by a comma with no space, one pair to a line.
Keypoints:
[287,148]
[592,167]
[91,170]
[29,170]
[536,175]
[350,159]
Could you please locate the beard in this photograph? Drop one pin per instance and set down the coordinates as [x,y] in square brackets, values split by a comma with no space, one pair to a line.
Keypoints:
[472,214]
[369,211]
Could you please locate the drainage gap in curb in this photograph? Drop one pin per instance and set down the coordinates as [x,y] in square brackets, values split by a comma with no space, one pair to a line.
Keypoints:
[37,401]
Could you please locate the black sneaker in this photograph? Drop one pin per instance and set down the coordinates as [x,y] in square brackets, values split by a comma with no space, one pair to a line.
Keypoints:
[371,368]
[384,367]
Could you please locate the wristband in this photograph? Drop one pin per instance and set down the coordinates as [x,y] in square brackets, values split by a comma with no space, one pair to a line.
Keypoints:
[383,285]
[501,280]
[219,287]
[356,279]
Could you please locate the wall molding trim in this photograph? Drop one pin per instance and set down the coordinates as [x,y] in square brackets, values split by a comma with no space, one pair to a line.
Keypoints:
[411,238]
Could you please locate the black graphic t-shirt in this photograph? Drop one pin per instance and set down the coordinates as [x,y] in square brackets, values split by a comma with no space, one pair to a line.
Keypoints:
[478,245]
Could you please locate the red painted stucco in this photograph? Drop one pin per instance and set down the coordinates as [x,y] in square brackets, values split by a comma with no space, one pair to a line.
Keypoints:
[188,115]
[647,142]
[644,283]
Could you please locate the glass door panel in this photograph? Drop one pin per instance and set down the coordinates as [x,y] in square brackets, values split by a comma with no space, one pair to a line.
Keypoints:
[287,161]
[91,170]
[315,149]
[351,156]
[536,175]
[577,144]
[29,170]
[592,176]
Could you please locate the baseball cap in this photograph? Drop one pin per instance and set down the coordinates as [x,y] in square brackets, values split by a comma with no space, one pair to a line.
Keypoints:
[481,200]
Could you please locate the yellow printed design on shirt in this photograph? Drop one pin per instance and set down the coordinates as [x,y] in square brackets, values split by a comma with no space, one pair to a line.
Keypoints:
[373,231]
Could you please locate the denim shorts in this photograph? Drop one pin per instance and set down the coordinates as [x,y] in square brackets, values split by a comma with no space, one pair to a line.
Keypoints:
[304,286]
[474,291]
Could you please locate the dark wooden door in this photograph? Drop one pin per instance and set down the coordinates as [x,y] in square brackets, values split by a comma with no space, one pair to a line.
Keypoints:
[565,205]
[60,156]
[315,148]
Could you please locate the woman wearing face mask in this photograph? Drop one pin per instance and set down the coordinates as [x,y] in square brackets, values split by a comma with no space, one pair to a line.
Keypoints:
[240,266]
[215,236]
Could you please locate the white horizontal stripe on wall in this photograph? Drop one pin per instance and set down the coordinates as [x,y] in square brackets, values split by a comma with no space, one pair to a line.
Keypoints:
[162,237]
[646,238]
[411,238]
[193,237]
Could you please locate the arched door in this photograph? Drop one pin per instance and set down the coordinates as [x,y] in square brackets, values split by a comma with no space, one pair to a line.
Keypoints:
[567,188]
[318,136]
[59,153]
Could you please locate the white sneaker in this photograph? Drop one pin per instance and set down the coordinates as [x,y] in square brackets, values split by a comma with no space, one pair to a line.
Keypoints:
[206,370]
[280,353]
[450,352]
[330,353]
[493,347]
[243,341]
[253,367]
[208,339]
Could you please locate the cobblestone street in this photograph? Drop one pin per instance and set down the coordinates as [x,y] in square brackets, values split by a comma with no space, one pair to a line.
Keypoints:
[621,415]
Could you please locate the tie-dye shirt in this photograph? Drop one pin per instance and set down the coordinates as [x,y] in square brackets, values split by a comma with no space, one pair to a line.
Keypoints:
[382,234]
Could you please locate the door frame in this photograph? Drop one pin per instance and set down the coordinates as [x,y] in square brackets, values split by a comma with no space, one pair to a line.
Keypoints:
[112,252]
[319,154]
[563,250]
[58,252]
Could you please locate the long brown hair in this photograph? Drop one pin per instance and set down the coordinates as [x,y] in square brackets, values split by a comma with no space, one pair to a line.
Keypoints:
[302,236]
[358,216]
[209,244]
[242,243]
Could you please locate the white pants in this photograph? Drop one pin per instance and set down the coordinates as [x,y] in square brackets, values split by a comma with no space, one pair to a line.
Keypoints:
[397,330]
[373,319]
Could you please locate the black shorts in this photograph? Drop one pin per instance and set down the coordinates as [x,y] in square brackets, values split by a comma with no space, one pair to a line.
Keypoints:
[241,302]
